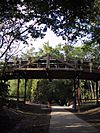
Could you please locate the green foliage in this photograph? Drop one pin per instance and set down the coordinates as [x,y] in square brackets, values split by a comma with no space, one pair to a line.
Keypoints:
[55,52]
[87,89]
[29,89]
[4,91]
[71,19]
[89,50]
[73,52]
[13,87]
[59,91]
[96,22]
[68,18]
[34,91]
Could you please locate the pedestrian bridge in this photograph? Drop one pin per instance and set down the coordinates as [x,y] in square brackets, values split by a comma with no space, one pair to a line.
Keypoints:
[49,67]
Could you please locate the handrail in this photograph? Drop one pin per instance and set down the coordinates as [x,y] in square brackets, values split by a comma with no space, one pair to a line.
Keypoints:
[85,65]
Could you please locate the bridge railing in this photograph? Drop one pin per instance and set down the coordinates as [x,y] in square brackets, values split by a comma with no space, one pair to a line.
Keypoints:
[92,67]
[75,64]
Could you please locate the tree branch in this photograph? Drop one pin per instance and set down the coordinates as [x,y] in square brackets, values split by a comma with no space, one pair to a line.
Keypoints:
[15,38]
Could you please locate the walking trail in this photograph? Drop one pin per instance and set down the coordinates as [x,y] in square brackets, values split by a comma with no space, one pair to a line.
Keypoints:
[63,121]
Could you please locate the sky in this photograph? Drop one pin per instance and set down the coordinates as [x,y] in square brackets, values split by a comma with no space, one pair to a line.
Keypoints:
[49,37]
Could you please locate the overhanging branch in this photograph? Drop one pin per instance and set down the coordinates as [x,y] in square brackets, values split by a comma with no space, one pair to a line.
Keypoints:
[15,38]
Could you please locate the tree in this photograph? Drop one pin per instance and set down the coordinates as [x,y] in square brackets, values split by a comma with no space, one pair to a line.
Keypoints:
[95,22]
[13,88]
[68,18]
[91,50]
[13,33]
[47,49]
[59,91]
[88,90]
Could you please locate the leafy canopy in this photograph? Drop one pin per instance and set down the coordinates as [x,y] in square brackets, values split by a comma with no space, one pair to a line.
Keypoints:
[68,18]
[24,19]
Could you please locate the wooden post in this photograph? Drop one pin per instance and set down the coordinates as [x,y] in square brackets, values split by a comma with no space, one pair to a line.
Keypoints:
[48,61]
[97,96]
[18,86]
[74,94]
[78,94]
[29,62]
[25,91]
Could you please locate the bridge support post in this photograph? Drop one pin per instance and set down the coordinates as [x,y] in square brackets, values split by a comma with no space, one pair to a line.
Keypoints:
[74,94]
[18,86]
[25,91]
[97,93]
[78,94]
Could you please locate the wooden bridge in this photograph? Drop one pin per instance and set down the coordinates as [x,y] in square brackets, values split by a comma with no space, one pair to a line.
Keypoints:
[48,67]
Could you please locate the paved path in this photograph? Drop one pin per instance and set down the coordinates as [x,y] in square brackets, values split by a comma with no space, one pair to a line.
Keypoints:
[63,121]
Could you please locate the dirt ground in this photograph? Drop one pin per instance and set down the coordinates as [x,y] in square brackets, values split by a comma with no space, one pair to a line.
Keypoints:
[31,118]
[25,119]
[91,115]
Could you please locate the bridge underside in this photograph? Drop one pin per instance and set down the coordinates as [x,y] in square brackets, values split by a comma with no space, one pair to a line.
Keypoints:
[58,74]
[52,73]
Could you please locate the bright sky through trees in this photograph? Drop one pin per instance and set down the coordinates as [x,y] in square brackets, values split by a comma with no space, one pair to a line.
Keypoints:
[51,38]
